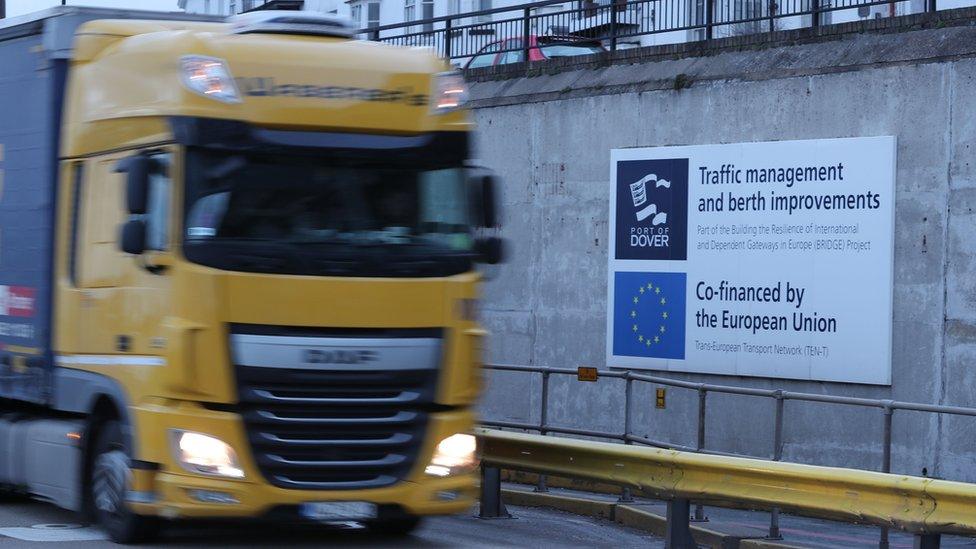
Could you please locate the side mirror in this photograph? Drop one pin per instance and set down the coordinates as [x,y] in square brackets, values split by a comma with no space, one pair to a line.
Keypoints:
[137,169]
[484,201]
[491,250]
[133,238]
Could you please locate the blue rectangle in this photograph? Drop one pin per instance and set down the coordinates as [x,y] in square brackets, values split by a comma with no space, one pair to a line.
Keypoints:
[649,314]
[652,209]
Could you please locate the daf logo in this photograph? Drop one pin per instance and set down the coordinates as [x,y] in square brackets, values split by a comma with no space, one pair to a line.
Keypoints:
[351,356]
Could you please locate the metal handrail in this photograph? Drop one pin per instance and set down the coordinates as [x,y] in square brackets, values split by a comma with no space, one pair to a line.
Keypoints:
[607,23]
[780,397]
[922,506]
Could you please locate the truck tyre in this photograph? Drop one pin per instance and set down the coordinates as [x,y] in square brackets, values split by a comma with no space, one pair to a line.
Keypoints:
[396,527]
[110,478]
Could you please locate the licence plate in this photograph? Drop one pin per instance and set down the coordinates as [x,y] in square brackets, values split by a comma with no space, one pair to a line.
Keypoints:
[337,511]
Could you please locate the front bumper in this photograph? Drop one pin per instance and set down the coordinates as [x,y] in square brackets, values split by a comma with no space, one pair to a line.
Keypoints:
[168,490]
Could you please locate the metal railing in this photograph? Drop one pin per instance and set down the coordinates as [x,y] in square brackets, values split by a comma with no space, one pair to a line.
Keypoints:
[501,30]
[924,507]
[779,398]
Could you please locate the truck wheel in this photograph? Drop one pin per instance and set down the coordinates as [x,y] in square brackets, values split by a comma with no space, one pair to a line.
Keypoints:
[110,478]
[399,526]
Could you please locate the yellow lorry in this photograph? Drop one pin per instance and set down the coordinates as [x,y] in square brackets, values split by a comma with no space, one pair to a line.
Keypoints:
[238,271]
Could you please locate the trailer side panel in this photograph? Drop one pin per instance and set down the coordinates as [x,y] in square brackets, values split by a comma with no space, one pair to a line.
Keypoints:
[29,112]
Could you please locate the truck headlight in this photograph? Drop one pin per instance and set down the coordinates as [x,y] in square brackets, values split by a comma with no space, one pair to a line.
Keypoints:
[210,77]
[450,92]
[455,455]
[199,453]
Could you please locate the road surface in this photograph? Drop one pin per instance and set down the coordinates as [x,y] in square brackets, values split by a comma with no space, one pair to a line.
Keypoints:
[28,524]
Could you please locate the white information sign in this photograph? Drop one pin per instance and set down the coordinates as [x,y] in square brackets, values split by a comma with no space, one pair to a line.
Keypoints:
[756,259]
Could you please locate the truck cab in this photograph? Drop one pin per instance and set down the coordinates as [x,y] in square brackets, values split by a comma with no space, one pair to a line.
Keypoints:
[264,248]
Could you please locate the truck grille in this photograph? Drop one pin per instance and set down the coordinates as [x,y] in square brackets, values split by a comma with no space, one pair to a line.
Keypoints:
[335,428]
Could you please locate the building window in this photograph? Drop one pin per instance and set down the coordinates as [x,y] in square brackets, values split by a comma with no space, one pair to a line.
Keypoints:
[372,15]
[206,7]
[233,7]
[356,13]
[428,13]
[454,7]
[482,6]
[409,10]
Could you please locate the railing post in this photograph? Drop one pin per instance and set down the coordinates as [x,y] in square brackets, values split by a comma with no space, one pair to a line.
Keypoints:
[625,495]
[492,505]
[709,7]
[814,13]
[447,39]
[700,445]
[544,413]
[526,32]
[774,532]
[930,5]
[883,542]
[677,533]
[374,35]
[613,25]
[927,541]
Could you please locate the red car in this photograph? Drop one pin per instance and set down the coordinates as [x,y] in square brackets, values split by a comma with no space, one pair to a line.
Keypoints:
[540,48]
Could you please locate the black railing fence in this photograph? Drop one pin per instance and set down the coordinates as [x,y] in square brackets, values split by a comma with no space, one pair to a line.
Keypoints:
[622,23]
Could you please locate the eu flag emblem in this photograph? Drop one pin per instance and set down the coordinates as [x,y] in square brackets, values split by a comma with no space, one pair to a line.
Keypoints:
[649,314]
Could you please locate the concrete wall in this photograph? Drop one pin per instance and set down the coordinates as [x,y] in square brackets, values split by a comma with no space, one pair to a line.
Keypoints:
[549,136]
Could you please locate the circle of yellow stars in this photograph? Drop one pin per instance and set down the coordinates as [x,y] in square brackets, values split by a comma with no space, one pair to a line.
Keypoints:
[649,291]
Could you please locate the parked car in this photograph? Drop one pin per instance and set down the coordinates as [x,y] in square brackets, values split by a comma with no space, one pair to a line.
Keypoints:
[510,50]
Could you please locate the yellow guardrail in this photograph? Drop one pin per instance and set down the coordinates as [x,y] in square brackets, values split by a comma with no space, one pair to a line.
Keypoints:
[911,504]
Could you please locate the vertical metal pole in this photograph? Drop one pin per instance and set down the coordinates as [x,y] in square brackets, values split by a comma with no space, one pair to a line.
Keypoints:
[700,446]
[930,5]
[883,542]
[677,534]
[3,9]
[771,7]
[709,6]
[625,495]
[927,541]
[447,39]
[613,25]
[526,31]
[774,532]
[492,505]
[374,35]
[544,413]
[815,13]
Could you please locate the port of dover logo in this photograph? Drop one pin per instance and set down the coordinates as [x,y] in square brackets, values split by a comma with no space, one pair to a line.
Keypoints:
[652,209]
[649,315]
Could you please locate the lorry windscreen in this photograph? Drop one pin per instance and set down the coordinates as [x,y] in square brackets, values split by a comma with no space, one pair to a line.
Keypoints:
[315,216]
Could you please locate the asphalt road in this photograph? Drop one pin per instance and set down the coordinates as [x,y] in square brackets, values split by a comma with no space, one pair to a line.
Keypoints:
[36,525]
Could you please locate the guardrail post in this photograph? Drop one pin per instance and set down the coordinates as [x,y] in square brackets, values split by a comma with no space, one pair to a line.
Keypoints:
[883,542]
[374,35]
[625,495]
[613,25]
[709,7]
[927,541]
[677,534]
[526,32]
[774,532]
[492,506]
[930,5]
[700,445]
[544,413]
[814,13]
[447,39]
